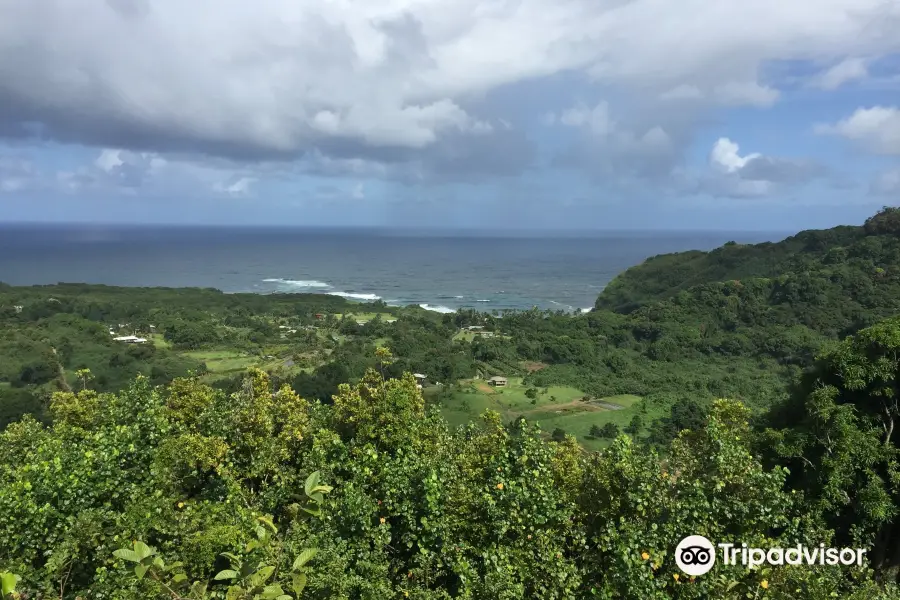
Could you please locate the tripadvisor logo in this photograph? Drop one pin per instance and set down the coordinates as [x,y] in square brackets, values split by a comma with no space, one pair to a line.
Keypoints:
[696,555]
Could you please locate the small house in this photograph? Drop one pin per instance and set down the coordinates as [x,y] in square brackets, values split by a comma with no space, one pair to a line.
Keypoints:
[420,379]
[475,327]
[497,381]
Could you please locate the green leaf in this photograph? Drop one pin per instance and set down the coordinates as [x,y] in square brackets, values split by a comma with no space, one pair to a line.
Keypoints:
[248,568]
[234,593]
[198,589]
[261,576]
[268,523]
[251,546]
[226,574]
[270,592]
[304,557]
[174,565]
[311,482]
[8,582]
[232,559]
[140,571]
[298,583]
[143,550]
[126,554]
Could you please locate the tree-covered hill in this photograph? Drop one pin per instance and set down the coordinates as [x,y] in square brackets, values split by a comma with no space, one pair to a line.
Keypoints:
[871,246]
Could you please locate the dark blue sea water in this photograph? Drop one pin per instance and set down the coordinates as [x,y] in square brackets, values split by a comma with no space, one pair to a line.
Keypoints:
[443,272]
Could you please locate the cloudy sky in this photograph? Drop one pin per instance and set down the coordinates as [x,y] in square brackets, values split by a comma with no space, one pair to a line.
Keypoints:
[587,114]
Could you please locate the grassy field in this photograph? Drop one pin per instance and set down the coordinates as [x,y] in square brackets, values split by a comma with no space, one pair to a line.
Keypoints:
[366,316]
[224,361]
[159,341]
[561,407]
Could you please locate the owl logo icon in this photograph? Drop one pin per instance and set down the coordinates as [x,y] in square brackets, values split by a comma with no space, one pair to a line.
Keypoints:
[695,555]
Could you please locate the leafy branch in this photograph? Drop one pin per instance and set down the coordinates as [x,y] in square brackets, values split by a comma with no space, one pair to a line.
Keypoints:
[249,577]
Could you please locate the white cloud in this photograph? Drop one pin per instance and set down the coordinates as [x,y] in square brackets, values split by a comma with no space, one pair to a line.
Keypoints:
[724,156]
[751,175]
[682,92]
[359,191]
[745,93]
[411,126]
[843,72]
[876,128]
[610,147]
[237,187]
[237,78]
[108,159]
[596,120]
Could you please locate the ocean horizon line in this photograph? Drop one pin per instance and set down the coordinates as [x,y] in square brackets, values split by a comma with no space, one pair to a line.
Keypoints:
[399,231]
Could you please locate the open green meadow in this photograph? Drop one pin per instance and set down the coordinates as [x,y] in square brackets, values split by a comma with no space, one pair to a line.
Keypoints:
[557,406]
[464,335]
[159,341]
[365,316]
[224,361]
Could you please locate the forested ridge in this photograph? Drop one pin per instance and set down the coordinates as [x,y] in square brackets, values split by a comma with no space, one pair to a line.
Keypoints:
[746,394]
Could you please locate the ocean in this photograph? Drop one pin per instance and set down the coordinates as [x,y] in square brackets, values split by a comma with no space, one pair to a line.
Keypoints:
[438,271]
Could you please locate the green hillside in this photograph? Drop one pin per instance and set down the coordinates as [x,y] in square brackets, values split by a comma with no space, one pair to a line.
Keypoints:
[874,245]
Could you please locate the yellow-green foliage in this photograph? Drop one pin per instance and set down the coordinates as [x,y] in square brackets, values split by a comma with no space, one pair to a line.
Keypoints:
[188,491]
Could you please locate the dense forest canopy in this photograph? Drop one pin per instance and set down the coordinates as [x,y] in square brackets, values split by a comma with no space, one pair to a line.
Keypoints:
[749,393]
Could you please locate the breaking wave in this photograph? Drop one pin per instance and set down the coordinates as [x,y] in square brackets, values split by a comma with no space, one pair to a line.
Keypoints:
[440,309]
[355,296]
[299,282]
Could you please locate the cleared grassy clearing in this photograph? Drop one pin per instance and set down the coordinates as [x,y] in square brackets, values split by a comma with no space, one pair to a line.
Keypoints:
[223,361]
[558,407]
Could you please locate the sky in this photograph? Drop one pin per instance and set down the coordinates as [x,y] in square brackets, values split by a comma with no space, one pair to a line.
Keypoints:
[769,115]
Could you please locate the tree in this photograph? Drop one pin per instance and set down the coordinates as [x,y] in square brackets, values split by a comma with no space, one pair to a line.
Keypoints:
[838,437]
[685,414]
[559,434]
[609,431]
[531,393]
[635,426]
[885,222]
[84,376]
